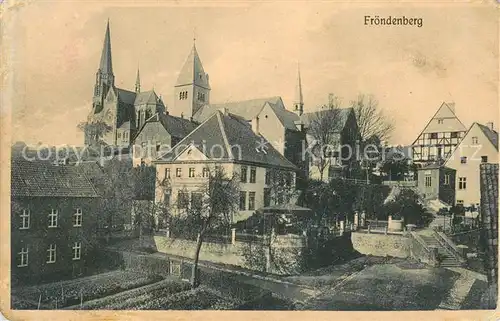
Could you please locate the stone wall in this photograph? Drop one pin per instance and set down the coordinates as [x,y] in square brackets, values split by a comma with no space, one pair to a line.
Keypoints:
[285,255]
[381,244]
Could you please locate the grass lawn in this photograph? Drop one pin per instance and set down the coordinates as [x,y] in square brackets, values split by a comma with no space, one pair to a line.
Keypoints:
[387,287]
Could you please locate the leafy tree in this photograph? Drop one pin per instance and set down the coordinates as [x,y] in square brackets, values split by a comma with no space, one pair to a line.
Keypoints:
[407,206]
[94,131]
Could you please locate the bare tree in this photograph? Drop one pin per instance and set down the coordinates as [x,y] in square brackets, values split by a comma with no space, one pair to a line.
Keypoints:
[214,208]
[371,120]
[324,127]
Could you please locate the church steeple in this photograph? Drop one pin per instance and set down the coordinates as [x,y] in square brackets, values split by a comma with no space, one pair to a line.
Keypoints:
[106,65]
[104,75]
[138,82]
[192,88]
[299,99]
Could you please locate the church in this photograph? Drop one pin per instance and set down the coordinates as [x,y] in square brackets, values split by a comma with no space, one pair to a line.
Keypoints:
[125,112]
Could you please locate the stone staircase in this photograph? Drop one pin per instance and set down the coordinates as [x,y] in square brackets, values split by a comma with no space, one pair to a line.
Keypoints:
[448,259]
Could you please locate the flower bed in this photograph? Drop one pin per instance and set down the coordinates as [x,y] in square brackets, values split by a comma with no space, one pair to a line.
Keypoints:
[70,292]
[138,296]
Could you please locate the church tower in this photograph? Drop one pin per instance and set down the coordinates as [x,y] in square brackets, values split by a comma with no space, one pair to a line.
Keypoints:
[192,89]
[138,82]
[104,76]
[298,103]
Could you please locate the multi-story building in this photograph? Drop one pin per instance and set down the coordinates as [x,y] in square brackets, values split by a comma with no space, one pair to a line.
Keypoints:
[439,137]
[480,145]
[53,221]
[229,141]
[160,132]
[437,182]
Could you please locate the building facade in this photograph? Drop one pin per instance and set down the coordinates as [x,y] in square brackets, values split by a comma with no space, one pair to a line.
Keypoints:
[227,141]
[53,221]
[437,182]
[439,138]
[479,145]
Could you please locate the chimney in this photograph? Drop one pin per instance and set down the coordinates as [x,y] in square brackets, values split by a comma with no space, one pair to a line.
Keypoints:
[191,119]
[255,125]
[166,112]
[490,125]
[182,115]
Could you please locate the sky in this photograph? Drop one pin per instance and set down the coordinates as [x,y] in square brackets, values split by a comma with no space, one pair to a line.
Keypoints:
[252,51]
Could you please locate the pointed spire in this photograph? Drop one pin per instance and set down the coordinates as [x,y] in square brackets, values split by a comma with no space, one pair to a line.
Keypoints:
[106,65]
[192,72]
[299,99]
[138,82]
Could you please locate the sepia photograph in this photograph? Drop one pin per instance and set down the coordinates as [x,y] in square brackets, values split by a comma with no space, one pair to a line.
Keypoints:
[236,155]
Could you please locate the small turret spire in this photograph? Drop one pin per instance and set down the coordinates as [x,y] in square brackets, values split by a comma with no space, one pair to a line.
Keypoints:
[138,82]
[299,99]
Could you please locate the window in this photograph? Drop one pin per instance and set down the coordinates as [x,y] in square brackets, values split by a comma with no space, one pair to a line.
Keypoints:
[167,173]
[244,174]
[23,257]
[206,172]
[268,177]
[434,135]
[447,179]
[51,256]
[182,200]
[243,200]
[462,182]
[440,121]
[454,134]
[253,172]
[428,181]
[463,160]
[267,197]
[25,220]
[474,140]
[484,159]
[178,172]
[120,135]
[251,201]
[191,172]
[77,250]
[196,200]
[77,217]
[53,218]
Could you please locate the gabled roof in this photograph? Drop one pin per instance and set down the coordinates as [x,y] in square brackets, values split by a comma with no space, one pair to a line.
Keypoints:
[192,72]
[490,134]
[344,113]
[445,111]
[249,109]
[43,179]
[220,133]
[175,126]
[126,96]
[147,97]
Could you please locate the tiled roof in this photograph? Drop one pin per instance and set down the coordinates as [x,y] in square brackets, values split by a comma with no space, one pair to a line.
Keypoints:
[126,96]
[286,117]
[226,131]
[248,109]
[344,113]
[42,179]
[146,97]
[490,134]
[177,126]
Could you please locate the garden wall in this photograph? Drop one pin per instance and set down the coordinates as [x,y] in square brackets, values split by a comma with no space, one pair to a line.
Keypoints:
[286,254]
[381,244]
